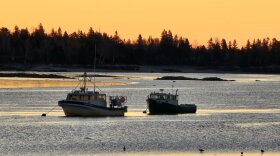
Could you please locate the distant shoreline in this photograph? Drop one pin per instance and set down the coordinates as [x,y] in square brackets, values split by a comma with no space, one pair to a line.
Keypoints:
[142,69]
[46,82]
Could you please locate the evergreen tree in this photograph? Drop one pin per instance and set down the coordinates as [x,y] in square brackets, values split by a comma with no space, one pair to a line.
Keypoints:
[37,47]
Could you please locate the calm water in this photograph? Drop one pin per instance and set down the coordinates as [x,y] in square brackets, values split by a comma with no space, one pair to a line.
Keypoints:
[232,116]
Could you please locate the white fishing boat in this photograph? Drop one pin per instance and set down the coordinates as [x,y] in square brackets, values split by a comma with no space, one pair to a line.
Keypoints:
[91,103]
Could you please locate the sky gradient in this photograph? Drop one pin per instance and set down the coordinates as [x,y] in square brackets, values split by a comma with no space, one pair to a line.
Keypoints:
[197,20]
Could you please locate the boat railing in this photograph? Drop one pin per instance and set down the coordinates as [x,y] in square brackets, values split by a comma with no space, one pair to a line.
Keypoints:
[117,101]
[161,96]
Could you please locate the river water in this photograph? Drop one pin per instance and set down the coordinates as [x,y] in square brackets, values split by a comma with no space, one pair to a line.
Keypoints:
[232,116]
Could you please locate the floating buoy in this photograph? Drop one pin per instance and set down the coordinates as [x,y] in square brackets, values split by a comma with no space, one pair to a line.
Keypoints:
[124,148]
[45,114]
[144,112]
[201,150]
[122,99]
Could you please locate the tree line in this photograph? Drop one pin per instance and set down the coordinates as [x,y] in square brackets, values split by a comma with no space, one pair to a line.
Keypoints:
[21,46]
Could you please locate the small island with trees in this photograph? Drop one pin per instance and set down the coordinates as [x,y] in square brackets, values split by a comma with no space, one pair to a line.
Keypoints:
[189,78]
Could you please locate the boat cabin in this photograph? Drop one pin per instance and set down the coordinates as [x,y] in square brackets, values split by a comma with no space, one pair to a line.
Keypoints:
[164,97]
[89,96]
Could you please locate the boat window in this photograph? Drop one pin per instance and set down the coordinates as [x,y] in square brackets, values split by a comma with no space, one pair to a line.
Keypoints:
[74,98]
[154,96]
[169,97]
[85,97]
[68,97]
[92,97]
[102,97]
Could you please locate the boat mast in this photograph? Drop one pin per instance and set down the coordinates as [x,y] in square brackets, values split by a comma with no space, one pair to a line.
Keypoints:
[85,81]
[173,86]
[94,68]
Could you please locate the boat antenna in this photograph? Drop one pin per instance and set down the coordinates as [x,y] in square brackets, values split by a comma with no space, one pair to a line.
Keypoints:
[173,85]
[85,81]
[94,68]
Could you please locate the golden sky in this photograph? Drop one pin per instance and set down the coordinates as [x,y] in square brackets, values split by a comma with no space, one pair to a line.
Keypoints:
[197,20]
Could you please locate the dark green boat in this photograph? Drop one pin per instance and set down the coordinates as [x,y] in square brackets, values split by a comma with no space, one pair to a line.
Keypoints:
[167,103]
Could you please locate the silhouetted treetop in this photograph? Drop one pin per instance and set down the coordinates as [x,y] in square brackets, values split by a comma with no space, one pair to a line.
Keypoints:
[21,46]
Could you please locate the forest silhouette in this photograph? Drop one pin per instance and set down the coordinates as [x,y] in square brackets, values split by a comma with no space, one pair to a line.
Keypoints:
[22,47]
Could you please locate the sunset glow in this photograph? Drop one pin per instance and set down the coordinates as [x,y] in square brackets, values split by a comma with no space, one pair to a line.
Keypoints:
[197,20]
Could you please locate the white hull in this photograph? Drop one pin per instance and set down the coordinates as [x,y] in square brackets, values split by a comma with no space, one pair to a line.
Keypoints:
[72,109]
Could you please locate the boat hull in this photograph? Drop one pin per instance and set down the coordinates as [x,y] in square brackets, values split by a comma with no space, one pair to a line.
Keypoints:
[156,107]
[76,108]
